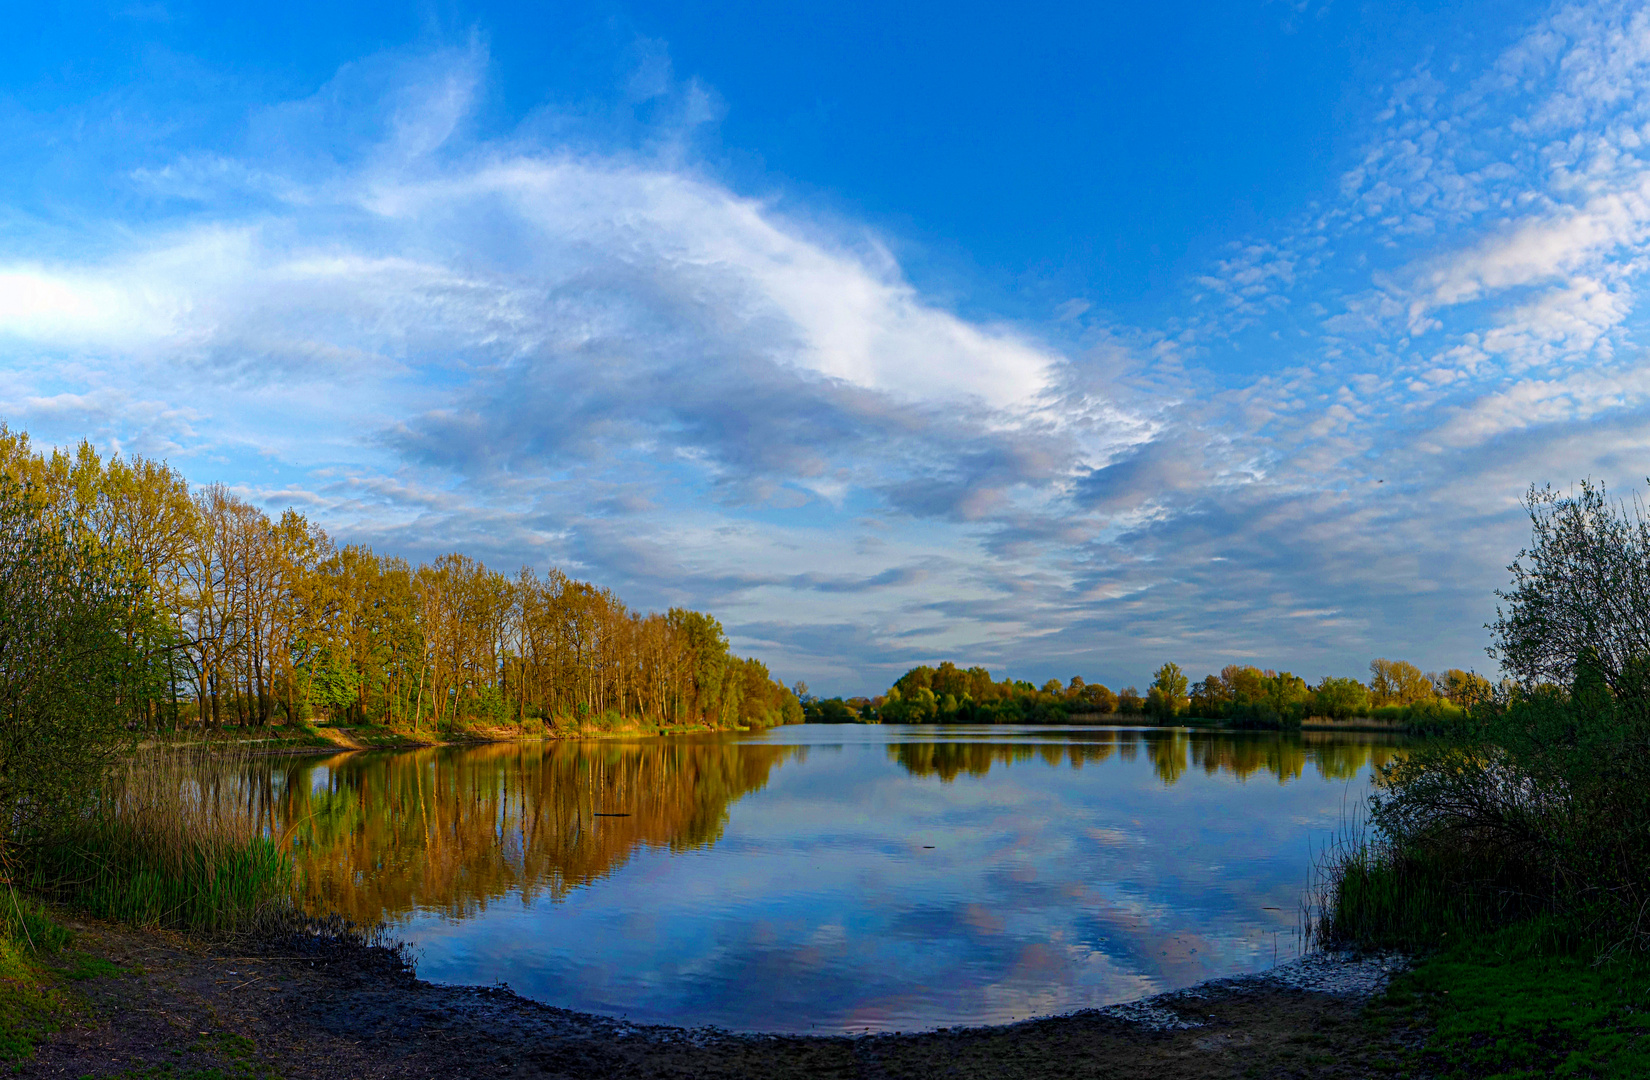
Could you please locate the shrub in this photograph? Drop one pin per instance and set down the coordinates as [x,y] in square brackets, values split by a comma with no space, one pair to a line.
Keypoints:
[1537,801]
[66,673]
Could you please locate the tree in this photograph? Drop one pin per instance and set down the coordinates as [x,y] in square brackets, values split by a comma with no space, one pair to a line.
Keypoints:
[1463,688]
[1209,698]
[1285,692]
[1167,695]
[1340,698]
[1098,698]
[68,677]
[1398,682]
[1244,684]
[1582,583]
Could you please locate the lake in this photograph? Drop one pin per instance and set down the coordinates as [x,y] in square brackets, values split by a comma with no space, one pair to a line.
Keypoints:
[831,878]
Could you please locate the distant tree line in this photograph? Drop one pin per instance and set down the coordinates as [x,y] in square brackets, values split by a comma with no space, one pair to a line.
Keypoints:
[236,617]
[1241,696]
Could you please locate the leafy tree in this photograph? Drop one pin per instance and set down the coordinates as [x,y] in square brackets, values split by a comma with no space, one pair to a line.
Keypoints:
[1463,688]
[1095,697]
[920,677]
[947,679]
[1167,695]
[1244,684]
[1582,583]
[1286,693]
[1340,698]
[69,675]
[1208,698]
[1398,682]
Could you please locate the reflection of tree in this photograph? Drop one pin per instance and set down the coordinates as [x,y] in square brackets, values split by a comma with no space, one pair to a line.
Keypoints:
[1337,756]
[455,828]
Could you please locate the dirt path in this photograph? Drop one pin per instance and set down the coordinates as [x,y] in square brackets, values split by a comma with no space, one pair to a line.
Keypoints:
[159,1006]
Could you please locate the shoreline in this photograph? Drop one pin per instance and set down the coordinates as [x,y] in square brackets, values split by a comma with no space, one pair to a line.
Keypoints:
[328,739]
[341,739]
[316,1008]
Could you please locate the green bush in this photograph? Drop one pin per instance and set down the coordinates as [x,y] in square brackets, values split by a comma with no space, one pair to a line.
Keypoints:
[66,671]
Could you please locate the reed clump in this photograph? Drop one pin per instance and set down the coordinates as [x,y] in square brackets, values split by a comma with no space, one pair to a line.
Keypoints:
[182,840]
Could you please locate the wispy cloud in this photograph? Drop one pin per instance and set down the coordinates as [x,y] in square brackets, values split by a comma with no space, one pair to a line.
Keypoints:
[569,345]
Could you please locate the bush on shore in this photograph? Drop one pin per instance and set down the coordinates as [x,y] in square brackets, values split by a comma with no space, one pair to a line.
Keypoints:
[1512,854]
[1538,805]
[66,669]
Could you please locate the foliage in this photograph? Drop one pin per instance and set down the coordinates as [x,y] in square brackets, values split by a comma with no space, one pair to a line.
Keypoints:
[236,617]
[1538,804]
[834,711]
[1339,698]
[1540,807]
[66,673]
[1241,696]
[1582,584]
[1167,695]
[1398,682]
[948,694]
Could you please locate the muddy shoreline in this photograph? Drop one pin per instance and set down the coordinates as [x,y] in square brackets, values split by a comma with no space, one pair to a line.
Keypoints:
[315,1008]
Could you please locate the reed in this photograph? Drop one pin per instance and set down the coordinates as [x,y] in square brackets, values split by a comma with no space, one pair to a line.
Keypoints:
[1374,895]
[175,839]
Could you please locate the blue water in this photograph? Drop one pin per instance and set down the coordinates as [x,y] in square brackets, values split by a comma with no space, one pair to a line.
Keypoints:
[876,878]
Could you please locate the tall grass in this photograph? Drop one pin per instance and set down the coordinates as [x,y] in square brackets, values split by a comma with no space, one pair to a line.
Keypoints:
[175,839]
[1373,894]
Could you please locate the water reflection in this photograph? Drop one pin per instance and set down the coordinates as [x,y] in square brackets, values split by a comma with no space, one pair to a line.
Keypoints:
[829,878]
[449,830]
[1171,752]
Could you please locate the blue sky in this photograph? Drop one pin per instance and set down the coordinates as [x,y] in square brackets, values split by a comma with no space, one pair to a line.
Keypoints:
[1059,340]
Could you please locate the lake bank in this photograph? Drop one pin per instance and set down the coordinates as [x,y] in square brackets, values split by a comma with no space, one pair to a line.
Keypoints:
[330,738]
[155,1001]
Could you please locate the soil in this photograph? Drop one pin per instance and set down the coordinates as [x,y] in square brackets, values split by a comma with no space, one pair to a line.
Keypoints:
[156,1005]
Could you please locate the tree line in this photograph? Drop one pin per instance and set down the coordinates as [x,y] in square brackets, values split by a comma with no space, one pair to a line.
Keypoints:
[234,616]
[1240,695]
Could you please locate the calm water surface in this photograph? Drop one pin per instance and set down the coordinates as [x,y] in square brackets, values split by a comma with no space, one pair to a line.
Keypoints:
[832,878]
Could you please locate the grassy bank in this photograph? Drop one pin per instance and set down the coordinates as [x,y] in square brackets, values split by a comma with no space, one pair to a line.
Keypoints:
[1529,1000]
[36,970]
[31,1004]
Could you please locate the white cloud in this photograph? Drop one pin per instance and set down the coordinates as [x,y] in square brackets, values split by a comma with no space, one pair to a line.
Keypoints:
[549,349]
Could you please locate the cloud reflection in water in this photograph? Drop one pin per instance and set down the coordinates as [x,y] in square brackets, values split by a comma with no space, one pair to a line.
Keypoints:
[834,878]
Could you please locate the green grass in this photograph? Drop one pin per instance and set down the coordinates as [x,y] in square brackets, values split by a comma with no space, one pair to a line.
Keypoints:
[1529,1000]
[31,1004]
